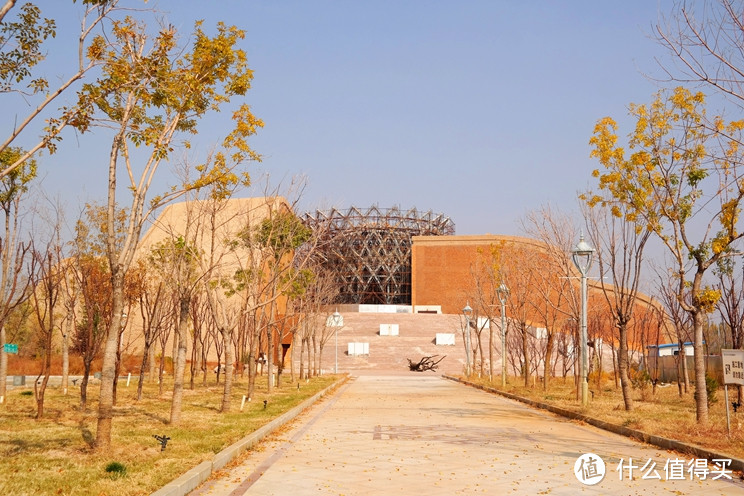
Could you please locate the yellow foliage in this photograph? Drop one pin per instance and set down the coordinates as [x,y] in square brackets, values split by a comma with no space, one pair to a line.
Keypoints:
[707,299]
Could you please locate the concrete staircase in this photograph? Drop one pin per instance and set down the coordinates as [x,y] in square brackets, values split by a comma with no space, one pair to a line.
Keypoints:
[389,354]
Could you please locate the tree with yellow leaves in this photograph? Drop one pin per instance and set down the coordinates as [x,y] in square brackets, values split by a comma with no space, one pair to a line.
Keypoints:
[151,92]
[681,178]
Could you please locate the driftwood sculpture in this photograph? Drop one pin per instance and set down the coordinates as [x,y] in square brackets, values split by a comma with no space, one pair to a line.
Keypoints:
[426,363]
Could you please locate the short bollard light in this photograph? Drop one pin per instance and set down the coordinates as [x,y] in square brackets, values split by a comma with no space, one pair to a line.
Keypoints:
[266,402]
[163,440]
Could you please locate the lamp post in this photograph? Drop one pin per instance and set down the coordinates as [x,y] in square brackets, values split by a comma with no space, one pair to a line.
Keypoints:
[503,293]
[466,312]
[336,322]
[582,258]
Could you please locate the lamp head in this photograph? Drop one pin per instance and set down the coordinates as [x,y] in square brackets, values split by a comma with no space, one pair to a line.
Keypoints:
[582,256]
[503,292]
[467,310]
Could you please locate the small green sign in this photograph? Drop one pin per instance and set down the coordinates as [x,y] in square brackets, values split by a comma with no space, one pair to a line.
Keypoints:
[11,348]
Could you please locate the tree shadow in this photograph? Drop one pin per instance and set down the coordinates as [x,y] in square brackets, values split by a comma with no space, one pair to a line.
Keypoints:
[88,437]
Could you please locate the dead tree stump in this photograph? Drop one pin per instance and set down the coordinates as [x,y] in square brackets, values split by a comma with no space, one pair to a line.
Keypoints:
[426,363]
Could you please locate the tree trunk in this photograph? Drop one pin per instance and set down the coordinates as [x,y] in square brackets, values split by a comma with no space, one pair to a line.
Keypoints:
[3,365]
[480,352]
[117,367]
[251,372]
[526,355]
[490,350]
[548,358]
[151,364]
[315,357]
[40,390]
[685,370]
[87,364]
[304,350]
[701,393]
[108,368]
[229,359]
[622,365]
[66,360]
[320,358]
[179,366]
[291,362]
[194,361]
[161,368]
[143,366]
[614,362]
[270,357]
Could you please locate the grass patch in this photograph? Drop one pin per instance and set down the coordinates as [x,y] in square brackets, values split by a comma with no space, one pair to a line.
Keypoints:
[663,412]
[53,455]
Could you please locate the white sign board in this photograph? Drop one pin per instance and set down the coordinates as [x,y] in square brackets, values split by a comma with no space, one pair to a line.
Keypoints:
[733,366]
[358,349]
[445,339]
[388,329]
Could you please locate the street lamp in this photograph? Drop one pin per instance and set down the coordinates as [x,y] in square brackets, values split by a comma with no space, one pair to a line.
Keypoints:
[582,258]
[466,312]
[336,321]
[503,293]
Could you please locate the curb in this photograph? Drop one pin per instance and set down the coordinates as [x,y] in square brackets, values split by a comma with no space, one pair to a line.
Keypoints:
[737,464]
[194,477]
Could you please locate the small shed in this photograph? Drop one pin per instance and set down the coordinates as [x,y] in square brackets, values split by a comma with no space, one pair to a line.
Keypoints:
[671,349]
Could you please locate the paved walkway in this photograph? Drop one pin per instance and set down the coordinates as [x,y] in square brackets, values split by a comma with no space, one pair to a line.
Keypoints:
[424,435]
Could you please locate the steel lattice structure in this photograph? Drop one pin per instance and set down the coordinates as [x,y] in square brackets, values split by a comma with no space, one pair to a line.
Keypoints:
[369,250]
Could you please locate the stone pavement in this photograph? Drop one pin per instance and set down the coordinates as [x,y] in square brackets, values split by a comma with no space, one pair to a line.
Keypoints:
[421,434]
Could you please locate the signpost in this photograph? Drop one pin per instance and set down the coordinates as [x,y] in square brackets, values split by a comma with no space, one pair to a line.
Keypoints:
[11,348]
[733,373]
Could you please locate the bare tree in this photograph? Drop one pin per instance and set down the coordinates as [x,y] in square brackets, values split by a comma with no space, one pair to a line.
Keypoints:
[619,244]
[14,251]
[731,306]
[46,292]
[704,40]
[154,317]
[556,298]
[682,325]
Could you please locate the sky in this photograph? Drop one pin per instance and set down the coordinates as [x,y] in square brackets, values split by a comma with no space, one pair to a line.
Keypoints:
[480,110]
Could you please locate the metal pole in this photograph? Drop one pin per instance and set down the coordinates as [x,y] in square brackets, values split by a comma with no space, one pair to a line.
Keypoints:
[728,415]
[467,345]
[584,353]
[503,346]
[335,329]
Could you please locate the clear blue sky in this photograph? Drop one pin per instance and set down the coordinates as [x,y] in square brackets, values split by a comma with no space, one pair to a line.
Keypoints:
[478,109]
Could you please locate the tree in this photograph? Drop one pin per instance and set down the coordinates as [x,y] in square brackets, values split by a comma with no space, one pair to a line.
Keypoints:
[154,314]
[521,300]
[556,298]
[705,46]
[731,306]
[619,244]
[177,261]
[14,252]
[151,92]
[683,181]
[45,294]
[21,51]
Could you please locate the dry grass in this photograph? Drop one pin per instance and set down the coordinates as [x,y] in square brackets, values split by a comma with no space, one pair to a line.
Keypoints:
[54,455]
[663,412]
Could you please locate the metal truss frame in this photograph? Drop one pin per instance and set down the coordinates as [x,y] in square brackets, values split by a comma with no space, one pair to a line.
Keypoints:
[369,250]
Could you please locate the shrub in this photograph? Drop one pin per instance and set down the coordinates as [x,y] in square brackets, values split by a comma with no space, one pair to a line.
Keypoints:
[116,469]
